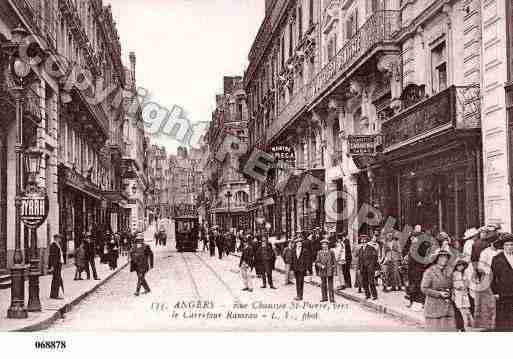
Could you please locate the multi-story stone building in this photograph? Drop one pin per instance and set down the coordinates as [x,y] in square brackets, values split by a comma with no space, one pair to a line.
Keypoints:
[497,124]
[229,187]
[185,177]
[157,171]
[80,130]
[404,77]
[134,161]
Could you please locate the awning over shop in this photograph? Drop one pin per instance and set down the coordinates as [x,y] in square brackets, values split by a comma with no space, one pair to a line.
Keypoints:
[77,181]
[117,197]
[311,181]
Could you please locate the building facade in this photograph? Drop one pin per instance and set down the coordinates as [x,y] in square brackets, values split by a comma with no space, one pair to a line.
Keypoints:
[185,178]
[402,77]
[497,77]
[157,170]
[134,154]
[228,187]
[80,129]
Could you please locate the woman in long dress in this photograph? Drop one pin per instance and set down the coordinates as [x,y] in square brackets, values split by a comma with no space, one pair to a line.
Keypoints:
[437,286]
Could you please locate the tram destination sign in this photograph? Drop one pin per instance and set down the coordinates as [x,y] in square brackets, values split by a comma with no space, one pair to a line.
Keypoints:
[362,145]
[34,209]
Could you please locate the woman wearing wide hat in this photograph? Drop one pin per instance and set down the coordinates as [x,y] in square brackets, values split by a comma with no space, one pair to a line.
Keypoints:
[437,287]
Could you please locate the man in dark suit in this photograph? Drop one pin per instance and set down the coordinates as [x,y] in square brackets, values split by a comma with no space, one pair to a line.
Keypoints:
[502,284]
[264,261]
[55,262]
[90,254]
[368,266]
[219,242]
[300,265]
[349,259]
[212,242]
[141,261]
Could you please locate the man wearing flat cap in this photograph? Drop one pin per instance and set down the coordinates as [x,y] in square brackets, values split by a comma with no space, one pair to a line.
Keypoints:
[502,283]
[325,266]
[141,261]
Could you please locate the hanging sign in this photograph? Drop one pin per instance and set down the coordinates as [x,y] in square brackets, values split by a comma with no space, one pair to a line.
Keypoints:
[283,153]
[362,145]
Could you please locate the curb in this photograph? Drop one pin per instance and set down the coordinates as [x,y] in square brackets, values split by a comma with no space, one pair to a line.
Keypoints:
[59,313]
[379,308]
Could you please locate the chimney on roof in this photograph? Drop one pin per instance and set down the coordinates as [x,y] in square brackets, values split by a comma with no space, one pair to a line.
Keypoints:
[132,67]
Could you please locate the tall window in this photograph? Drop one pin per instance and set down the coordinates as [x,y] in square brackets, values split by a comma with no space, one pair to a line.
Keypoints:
[352,24]
[311,12]
[300,23]
[282,53]
[332,47]
[439,67]
[291,42]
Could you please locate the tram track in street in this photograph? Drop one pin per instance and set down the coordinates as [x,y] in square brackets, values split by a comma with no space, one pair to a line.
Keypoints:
[191,277]
[204,264]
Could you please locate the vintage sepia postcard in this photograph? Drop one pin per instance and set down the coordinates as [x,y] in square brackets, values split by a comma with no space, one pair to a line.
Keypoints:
[255,166]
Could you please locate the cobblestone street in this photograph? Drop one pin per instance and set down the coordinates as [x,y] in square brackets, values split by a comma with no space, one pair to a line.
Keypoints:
[196,278]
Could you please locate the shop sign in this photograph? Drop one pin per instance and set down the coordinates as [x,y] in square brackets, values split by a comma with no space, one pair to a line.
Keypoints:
[34,209]
[283,153]
[362,145]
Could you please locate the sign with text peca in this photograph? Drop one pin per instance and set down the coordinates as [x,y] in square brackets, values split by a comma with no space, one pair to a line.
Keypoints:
[362,145]
[34,209]
[283,153]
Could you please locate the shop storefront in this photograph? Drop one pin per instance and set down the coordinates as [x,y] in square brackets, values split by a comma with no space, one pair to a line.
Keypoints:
[430,170]
[82,207]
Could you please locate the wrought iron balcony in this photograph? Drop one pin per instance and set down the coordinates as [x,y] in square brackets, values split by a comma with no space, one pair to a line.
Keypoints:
[375,33]
[377,30]
[41,24]
[456,108]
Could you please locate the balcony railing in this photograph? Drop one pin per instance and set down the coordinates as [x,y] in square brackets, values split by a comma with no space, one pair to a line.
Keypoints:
[457,107]
[377,30]
[44,26]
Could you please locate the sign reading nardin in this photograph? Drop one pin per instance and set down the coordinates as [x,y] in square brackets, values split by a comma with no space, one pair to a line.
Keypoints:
[362,145]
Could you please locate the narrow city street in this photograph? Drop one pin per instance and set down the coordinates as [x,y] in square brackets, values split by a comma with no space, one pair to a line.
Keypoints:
[192,291]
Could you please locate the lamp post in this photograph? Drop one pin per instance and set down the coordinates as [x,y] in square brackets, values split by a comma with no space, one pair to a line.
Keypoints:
[260,221]
[267,229]
[19,70]
[228,196]
[33,164]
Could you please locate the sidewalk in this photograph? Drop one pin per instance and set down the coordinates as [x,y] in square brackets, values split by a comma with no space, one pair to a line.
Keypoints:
[52,309]
[391,303]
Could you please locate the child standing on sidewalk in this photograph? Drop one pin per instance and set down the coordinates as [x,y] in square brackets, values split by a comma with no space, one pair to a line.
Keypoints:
[461,294]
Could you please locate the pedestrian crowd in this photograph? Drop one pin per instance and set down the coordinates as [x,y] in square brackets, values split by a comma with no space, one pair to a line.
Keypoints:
[459,284]
[97,242]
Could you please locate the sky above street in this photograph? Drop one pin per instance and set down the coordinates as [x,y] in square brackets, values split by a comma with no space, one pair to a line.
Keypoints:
[185,47]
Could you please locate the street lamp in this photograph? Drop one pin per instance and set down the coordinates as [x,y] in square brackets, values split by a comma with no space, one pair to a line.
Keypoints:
[260,221]
[228,196]
[19,71]
[267,229]
[33,157]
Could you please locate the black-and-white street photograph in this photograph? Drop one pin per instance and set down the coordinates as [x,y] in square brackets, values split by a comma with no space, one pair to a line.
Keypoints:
[253,166]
